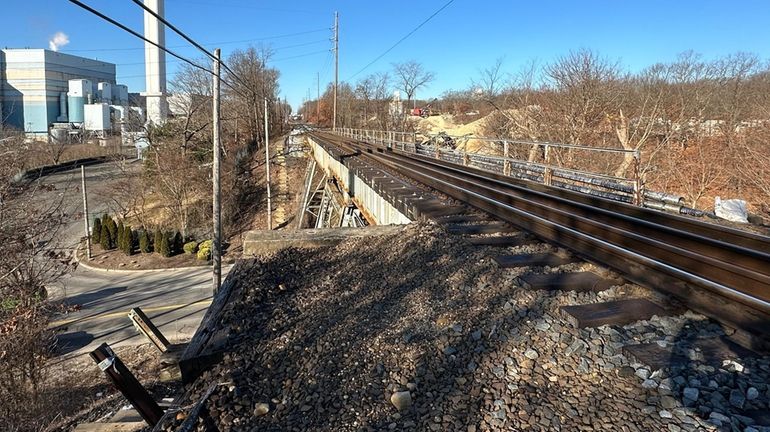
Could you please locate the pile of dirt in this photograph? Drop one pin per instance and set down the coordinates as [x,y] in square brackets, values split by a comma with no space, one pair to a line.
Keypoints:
[447,123]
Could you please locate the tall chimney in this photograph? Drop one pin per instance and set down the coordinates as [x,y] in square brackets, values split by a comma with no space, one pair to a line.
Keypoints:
[155,63]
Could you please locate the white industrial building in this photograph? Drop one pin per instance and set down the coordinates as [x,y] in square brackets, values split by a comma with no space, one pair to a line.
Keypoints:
[43,90]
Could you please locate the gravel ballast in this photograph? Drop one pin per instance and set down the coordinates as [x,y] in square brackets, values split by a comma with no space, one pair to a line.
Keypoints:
[421,331]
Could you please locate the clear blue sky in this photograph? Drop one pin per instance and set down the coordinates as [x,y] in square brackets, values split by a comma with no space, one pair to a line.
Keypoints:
[466,36]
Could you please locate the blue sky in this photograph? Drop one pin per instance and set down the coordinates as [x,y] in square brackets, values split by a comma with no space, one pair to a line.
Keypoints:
[466,36]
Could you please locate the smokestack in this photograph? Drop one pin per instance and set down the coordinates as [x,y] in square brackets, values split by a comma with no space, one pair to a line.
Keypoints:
[155,63]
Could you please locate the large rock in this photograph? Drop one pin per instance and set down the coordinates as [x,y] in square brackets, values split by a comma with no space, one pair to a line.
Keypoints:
[401,400]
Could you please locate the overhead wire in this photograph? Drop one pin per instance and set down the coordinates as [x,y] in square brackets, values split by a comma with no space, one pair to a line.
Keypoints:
[131,31]
[403,38]
[204,44]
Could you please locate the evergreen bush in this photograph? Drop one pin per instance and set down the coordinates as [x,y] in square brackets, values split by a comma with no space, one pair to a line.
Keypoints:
[104,237]
[190,247]
[165,247]
[145,245]
[177,243]
[96,231]
[204,250]
[113,229]
[120,242]
[156,239]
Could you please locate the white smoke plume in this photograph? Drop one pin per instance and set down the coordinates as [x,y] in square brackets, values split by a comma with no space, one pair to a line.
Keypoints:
[58,40]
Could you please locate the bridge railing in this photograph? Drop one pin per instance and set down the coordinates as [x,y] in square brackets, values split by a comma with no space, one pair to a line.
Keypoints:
[542,162]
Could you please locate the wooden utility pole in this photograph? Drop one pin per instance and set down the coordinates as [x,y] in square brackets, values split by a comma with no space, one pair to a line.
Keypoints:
[85,210]
[216,250]
[318,97]
[336,65]
[267,168]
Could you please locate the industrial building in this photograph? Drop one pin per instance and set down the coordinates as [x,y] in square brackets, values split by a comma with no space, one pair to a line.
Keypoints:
[42,90]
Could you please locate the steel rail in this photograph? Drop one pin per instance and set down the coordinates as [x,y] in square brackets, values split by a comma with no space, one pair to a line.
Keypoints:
[665,253]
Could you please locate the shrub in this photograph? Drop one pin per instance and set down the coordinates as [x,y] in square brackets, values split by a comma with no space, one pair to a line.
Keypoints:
[190,247]
[165,248]
[156,239]
[112,227]
[120,238]
[104,237]
[177,243]
[96,231]
[145,246]
[128,240]
[204,254]
[204,250]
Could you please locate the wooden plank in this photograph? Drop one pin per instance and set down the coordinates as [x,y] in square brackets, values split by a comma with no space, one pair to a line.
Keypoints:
[619,312]
[713,350]
[490,228]
[502,241]
[578,281]
[536,260]
[110,427]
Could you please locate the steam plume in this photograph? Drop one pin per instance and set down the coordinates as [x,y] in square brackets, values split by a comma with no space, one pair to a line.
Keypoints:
[58,40]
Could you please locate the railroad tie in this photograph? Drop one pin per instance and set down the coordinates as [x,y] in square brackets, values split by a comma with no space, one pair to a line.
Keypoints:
[578,281]
[713,350]
[536,260]
[463,218]
[618,312]
[491,228]
[503,241]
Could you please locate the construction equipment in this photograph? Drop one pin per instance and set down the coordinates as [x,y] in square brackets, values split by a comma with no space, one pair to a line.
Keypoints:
[425,111]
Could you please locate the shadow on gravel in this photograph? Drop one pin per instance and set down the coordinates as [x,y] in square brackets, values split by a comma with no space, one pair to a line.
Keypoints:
[325,337]
[716,380]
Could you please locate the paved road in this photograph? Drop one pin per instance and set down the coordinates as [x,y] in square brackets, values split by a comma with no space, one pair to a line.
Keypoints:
[175,300]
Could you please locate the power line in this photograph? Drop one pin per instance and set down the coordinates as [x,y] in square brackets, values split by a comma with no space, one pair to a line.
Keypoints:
[402,39]
[192,42]
[129,30]
[302,55]
[204,44]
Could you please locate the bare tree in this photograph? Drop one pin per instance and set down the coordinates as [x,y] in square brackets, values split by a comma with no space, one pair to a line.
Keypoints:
[490,80]
[411,76]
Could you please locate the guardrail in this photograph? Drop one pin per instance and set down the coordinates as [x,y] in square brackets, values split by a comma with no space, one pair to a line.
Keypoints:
[625,189]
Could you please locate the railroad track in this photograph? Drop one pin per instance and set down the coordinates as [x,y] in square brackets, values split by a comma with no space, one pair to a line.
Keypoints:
[721,272]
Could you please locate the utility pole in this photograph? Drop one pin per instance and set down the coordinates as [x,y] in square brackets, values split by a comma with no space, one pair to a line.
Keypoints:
[336,65]
[267,167]
[85,210]
[216,251]
[318,97]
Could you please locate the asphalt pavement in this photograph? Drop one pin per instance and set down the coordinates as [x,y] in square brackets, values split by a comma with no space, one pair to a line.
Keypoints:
[175,300]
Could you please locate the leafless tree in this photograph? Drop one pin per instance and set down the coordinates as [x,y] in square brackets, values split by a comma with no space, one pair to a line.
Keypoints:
[411,76]
[490,80]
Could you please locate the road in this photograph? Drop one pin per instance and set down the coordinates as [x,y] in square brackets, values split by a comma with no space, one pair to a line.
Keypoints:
[175,300]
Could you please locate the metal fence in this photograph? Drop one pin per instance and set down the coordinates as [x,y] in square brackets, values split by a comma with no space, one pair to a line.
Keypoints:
[626,189]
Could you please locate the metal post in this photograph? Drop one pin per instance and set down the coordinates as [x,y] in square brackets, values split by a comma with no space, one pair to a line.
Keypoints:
[638,186]
[548,172]
[336,65]
[150,331]
[267,168]
[85,210]
[127,384]
[216,250]
[506,155]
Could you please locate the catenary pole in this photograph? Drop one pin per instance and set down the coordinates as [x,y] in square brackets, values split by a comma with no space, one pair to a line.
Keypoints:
[216,251]
[267,169]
